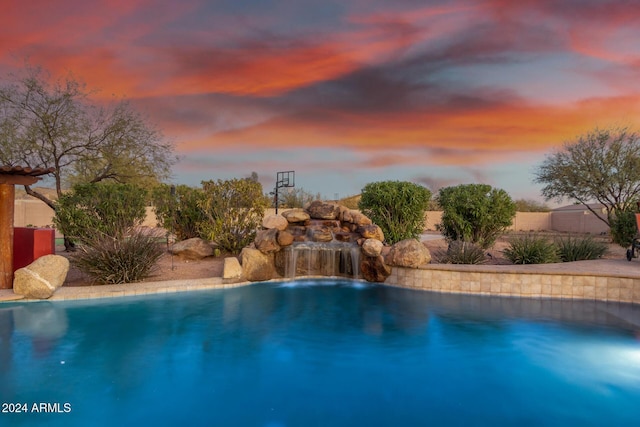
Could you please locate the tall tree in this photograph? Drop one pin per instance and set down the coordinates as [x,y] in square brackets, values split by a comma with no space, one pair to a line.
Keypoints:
[601,166]
[54,123]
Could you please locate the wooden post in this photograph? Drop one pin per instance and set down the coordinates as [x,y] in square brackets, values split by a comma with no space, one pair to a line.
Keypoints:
[7,196]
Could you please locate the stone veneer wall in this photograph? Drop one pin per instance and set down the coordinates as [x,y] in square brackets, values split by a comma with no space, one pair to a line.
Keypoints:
[515,282]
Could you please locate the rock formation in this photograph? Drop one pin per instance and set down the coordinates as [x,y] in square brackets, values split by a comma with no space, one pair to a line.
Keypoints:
[408,253]
[231,269]
[42,277]
[322,239]
[257,266]
[192,249]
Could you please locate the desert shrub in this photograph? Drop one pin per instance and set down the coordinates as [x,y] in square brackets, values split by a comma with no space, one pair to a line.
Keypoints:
[460,252]
[123,257]
[233,212]
[528,205]
[296,197]
[475,213]
[397,207]
[179,213]
[103,207]
[623,227]
[531,249]
[580,248]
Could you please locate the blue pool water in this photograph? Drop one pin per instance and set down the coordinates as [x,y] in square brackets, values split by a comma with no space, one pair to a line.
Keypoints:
[326,353]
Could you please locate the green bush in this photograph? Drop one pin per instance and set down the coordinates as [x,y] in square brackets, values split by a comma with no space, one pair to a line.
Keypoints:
[475,213]
[531,249]
[233,212]
[580,248]
[121,258]
[179,213]
[397,207]
[103,207]
[623,228]
[460,252]
[102,217]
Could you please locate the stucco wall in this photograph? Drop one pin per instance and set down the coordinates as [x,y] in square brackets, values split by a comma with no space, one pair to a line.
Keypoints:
[36,213]
[578,222]
[524,221]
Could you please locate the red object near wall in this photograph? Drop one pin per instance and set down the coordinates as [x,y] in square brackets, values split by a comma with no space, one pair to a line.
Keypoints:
[29,244]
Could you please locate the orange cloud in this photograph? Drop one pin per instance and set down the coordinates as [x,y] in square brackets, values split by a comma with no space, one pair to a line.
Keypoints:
[477,136]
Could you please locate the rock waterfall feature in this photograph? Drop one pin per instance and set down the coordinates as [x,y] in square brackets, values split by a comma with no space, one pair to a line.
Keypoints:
[325,239]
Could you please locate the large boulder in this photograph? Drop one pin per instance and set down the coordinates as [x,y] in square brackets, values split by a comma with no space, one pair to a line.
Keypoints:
[372,247]
[373,269]
[192,249]
[359,218]
[257,266]
[285,238]
[371,231]
[321,210]
[408,253]
[41,278]
[231,269]
[343,213]
[267,241]
[275,221]
[296,215]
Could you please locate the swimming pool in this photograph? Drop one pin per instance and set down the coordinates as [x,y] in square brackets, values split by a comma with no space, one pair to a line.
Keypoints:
[320,353]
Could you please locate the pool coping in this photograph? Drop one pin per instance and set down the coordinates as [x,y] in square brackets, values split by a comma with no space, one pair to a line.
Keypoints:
[606,280]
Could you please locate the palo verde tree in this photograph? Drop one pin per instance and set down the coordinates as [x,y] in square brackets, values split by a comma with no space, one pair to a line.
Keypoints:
[55,123]
[601,166]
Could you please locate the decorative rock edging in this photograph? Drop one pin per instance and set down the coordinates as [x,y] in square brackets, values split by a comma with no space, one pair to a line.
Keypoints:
[514,281]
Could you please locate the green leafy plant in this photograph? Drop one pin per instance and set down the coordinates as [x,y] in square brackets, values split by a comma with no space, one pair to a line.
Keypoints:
[105,207]
[102,218]
[124,257]
[179,213]
[397,207]
[460,252]
[233,212]
[580,248]
[623,227]
[475,213]
[531,249]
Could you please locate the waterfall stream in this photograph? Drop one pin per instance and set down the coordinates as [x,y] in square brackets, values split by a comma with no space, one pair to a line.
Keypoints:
[321,259]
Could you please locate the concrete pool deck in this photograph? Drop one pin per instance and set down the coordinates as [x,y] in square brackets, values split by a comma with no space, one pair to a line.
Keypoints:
[605,280]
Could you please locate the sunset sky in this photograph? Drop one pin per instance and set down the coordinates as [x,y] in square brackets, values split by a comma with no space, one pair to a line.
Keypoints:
[351,91]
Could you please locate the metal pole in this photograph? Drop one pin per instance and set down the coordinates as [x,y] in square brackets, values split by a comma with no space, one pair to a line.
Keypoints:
[276,199]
